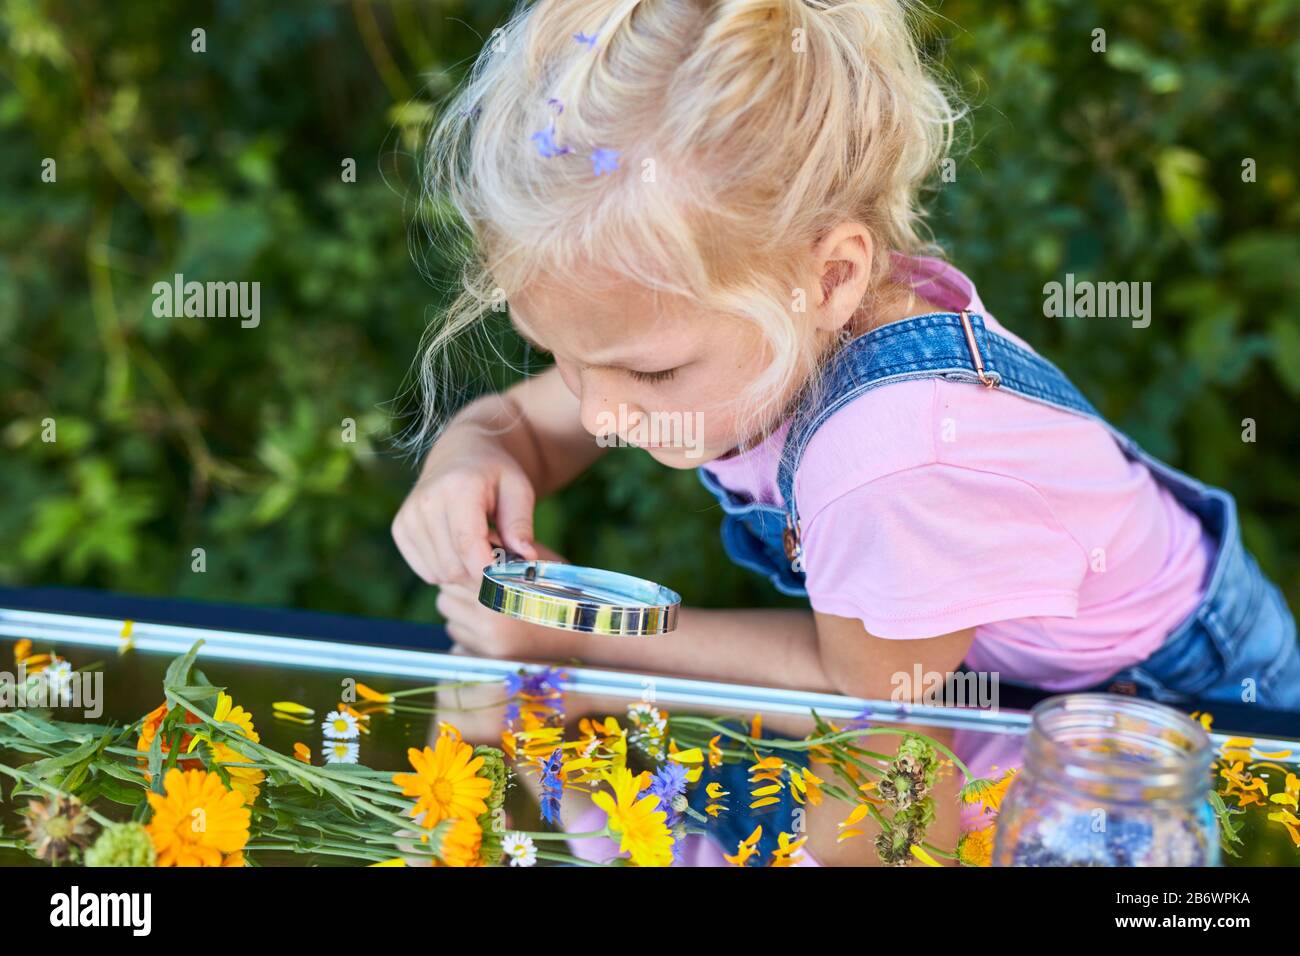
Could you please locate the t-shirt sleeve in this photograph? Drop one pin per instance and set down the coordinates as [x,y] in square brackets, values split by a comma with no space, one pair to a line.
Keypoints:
[939,548]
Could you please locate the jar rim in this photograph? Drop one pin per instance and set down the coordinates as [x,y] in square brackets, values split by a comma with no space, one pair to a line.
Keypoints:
[1172,751]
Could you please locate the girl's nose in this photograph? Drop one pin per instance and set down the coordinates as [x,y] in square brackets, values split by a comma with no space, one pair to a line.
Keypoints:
[603,414]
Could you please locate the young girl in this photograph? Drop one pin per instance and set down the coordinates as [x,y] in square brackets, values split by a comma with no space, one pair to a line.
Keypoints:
[707,210]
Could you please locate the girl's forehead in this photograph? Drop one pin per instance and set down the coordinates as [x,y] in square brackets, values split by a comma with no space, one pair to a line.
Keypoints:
[590,319]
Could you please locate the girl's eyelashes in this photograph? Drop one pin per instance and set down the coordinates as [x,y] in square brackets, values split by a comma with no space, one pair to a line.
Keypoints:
[663,376]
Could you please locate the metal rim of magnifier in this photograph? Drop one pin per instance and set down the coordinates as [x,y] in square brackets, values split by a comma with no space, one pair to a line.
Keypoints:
[519,589]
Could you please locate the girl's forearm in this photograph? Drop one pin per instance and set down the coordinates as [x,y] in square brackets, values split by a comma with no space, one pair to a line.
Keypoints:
[775,647]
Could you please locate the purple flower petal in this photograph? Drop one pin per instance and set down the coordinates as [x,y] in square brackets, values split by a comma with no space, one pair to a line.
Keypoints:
[546,145]
[604,161]
[587,41]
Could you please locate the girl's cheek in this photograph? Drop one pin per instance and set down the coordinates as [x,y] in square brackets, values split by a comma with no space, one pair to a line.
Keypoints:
[569,378]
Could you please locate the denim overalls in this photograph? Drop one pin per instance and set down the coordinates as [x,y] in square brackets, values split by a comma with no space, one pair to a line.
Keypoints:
[1240,640]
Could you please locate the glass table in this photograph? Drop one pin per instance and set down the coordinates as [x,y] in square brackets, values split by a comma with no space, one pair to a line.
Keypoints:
[261,668]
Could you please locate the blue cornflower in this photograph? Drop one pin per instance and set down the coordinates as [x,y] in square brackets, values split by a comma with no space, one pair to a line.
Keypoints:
[552,787]
[603,160]
[546,145]
[669,783]
[587,41]
[544,684]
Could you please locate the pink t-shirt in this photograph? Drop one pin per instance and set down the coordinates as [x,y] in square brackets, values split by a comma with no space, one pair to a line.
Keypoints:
[929,506]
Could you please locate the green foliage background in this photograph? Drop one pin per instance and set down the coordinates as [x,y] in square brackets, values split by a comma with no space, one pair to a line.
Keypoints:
[182,433]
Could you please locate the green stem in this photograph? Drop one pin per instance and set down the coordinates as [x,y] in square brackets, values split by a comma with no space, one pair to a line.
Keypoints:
[53,791]
[548,835]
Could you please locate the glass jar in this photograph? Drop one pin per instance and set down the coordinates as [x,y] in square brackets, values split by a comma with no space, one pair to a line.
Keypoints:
[1109,781]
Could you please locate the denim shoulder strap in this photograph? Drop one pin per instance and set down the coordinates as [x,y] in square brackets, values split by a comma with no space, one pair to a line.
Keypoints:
[956,346]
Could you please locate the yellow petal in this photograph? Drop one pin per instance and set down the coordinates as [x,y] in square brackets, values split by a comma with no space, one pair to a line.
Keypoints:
[856,816]
[694,755]
[372,695]
[395,861]
[921,855]
[289,707]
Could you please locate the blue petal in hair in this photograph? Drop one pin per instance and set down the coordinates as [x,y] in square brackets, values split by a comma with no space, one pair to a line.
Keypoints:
[603,160]
[588,41]
[546,145]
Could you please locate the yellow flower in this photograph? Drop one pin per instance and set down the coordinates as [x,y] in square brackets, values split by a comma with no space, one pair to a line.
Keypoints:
[461,843]
[395,861]
[22,650]
[247,780]
[446,782]
[228,713]
[975,848]
[641,824]
[199,822]
[988,793]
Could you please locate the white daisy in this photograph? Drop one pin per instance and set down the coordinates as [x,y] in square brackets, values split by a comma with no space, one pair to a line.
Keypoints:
[340,751]
[59,673]
[519,847]
[340,725]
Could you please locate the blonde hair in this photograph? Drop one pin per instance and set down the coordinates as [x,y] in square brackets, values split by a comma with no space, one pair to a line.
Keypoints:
[745,130]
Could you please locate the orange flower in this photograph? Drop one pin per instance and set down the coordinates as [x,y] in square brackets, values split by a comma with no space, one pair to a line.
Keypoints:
[149,730]
[461,843]
[198,822]
[446,782]
[975,848]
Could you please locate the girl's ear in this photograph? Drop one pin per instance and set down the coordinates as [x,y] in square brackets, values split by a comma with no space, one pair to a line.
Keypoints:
[842,259]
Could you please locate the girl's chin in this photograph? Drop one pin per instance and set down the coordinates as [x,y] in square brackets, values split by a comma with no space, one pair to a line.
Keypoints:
[677,457]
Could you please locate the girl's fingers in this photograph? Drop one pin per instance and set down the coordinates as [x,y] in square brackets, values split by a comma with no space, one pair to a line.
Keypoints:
[439,532]
[414,560]
[514,514]
[467,529]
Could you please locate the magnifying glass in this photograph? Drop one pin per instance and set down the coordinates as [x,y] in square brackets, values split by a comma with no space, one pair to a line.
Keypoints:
[575,598]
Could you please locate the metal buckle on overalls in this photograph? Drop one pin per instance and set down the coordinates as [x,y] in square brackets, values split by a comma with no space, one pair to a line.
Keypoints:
[988,381]
[790,539]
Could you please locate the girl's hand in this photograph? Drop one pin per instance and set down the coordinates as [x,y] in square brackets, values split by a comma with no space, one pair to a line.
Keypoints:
[486,633]
[442,529]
